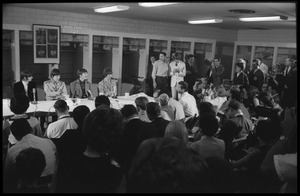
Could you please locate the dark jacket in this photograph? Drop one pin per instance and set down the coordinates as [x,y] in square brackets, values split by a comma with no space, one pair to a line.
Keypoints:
[76,91]
[242,80]
[19,89]
[256,78]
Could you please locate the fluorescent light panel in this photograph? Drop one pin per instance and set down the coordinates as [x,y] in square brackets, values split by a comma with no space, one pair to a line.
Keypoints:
[115,8]
[154,4]
[205,21]
[266,18]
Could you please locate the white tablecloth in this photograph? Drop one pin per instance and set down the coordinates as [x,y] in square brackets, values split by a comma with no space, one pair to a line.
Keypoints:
[47,106]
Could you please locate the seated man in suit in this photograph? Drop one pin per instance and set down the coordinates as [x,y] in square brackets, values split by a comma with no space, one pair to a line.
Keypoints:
[107,86]
[81,88]
[54,88]
[26,86]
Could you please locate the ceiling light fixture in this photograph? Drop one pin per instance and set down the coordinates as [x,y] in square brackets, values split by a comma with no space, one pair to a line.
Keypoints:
[266,18]
[114,8]
[205,21]
[154,4]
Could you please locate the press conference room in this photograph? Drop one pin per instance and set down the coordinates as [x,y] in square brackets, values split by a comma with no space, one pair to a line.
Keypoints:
[161,97]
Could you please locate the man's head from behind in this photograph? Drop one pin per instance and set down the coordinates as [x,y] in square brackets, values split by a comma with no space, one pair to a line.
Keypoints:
[102,100]
[153,110]
[19,128]
[30,164]
[61,107]
[79,113]
[19,104]
[141,103]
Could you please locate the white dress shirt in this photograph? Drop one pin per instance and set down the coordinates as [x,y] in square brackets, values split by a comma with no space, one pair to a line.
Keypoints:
[56,129]
[189,104]
[180,72]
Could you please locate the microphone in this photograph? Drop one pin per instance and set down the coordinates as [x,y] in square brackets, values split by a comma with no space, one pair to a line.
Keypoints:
[34,98]
[89,92]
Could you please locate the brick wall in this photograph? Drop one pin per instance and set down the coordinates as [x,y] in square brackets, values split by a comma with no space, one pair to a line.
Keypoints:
[276,35]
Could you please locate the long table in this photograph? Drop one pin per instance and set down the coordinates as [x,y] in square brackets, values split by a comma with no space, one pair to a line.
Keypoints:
[47,106]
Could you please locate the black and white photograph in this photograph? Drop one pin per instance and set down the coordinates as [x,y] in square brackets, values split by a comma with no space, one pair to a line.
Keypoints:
[150,97]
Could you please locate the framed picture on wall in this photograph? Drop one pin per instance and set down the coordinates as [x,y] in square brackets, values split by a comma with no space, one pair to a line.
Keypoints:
[46,44]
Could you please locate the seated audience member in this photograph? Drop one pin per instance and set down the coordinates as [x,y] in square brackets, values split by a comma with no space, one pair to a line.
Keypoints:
[154,114]
[266,105]
[30,164]
[178,130]
[102,100]
[71,143]
[141,103]
[188,101]
[252,99]
[265,134]
[264,87]
[135,131]
[167,165]
[243,125]
[19,106]
[97,171]
[166,111]
[81,88]
[204,108]
[273,90]
[208,145]
[21,129]
[65,121]
[216,96]
[236,94]
[107,86]
[279,167]
[221,175]
[174,106]
[26,86]
[199,90]
[54,88]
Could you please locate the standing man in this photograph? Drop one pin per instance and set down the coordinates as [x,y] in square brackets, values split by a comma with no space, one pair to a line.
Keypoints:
[54,88]
[81,88]
[26,86]
[264,68]
[215,71]
[191,73]
[256,76]
[240,78]
[160,73]
[289,94]
[149,80]
[177,73]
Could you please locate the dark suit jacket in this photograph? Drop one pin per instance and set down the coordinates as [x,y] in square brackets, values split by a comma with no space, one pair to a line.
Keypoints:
[242,79]
[256,79]
[215,76]
[76,91]
[19,89]
[160,125]
[190,78]
[289,94]
[134,133]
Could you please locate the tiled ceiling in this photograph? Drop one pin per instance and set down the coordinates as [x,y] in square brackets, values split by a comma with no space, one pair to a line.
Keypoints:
[182,12]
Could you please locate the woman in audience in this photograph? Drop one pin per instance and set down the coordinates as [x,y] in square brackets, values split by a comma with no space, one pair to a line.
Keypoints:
[97,171]
[265,134]
[216,97]
[167,165]
[178,130]
[266,105]
[209,145]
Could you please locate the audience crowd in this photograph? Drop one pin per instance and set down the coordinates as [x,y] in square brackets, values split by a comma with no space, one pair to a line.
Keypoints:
[210,137]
